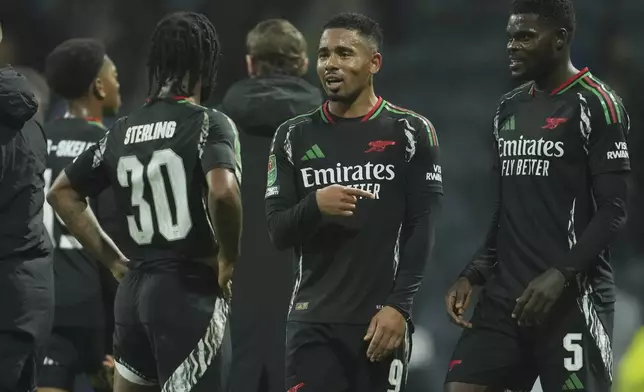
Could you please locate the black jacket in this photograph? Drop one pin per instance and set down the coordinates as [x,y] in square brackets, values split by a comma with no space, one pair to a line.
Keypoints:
[263,275]
[26,271]
[23,159]
[258,106]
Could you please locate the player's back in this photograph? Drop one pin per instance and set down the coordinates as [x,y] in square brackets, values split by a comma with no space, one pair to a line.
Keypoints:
[78,280]
[153,161]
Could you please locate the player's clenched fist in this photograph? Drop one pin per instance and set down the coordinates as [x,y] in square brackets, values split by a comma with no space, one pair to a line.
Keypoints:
[339,200]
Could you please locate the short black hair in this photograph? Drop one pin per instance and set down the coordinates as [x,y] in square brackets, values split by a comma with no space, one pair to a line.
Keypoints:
[73,65]
[277,47]
[364,25]
[184,43]
[560,13]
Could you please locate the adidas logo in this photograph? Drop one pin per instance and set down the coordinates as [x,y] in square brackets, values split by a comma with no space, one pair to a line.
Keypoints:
[313,153]
[573,383]
[509,125]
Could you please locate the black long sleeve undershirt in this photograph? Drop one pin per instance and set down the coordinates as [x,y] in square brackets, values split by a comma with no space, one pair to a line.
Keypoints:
[610,191]
[291,226]
[479,269]
[417,243]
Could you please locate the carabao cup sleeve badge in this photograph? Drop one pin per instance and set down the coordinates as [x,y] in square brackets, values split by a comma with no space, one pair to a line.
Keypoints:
[271,177]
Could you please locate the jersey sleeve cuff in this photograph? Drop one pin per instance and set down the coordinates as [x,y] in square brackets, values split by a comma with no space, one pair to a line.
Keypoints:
[406,314]
[472,276]
[568,273]
[312,210]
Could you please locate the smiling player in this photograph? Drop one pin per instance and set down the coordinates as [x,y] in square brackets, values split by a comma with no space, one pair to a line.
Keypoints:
[547,306]
[352,187]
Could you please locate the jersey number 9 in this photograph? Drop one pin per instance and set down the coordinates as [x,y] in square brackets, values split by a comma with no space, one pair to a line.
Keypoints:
[172,228]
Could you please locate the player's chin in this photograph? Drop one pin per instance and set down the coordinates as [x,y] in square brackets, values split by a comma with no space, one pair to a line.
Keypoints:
[335,96]
[520,73]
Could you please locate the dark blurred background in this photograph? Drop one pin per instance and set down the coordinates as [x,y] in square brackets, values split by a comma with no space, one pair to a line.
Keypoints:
[443,59]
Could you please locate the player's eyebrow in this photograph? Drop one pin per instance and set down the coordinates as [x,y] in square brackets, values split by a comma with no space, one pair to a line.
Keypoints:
[342,48]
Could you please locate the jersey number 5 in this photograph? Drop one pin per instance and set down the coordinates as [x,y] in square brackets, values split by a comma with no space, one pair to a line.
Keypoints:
[571,343]
[171,228]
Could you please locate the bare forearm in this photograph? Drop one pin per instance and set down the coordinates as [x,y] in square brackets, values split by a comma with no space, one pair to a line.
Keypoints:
[226,215]
[82,223]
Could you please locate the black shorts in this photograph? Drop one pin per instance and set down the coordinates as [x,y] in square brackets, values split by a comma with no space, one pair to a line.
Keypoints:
[17,362]
[570,352]
[68,352]
[171,330]
[333,358]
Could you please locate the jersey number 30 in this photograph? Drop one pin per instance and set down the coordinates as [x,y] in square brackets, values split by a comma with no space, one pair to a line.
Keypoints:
[171,228]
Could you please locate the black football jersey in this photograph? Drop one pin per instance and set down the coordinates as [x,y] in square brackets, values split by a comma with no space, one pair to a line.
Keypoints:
[77,277]
[156,160]
[550,145]
[346,266]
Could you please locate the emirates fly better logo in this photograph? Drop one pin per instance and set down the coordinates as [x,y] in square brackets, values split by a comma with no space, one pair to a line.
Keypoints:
[366,177]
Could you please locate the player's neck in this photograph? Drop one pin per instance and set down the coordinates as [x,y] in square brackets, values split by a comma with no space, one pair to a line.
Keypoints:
[358,108]
[558,76]
[170,90]
[85,108]
[195,98]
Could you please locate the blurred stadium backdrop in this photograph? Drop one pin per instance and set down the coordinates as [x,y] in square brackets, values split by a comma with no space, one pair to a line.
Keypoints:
[443,59]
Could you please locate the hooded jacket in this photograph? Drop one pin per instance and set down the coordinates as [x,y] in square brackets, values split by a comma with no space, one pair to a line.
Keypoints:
[26,272]
[23,157]
[258,106]
[263,275]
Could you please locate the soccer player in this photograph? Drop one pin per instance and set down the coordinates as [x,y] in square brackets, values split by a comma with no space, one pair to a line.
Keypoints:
[547,305]
[174,167]
[352,186]
[79,71]
[274,92]
[26,274]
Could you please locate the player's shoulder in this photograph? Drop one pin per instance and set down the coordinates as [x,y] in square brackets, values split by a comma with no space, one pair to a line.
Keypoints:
[73,128]
[516,94]
[299,121]
[309,117]
[121,124]
[600,99]
[215,118]
[398,112]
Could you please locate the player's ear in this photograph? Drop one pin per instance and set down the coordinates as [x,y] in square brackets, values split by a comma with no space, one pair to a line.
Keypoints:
[376,63]
[304,64]
[561,39]
[99,89]
[250,69]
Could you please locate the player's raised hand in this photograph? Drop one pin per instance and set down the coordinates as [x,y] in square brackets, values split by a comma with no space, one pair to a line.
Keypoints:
[457,300]
[385,333]
[538,298]
[339,200]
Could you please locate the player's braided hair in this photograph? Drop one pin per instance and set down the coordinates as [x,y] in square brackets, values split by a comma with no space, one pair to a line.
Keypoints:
[364,25]
[183,44]
[560,13]
[70,69]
